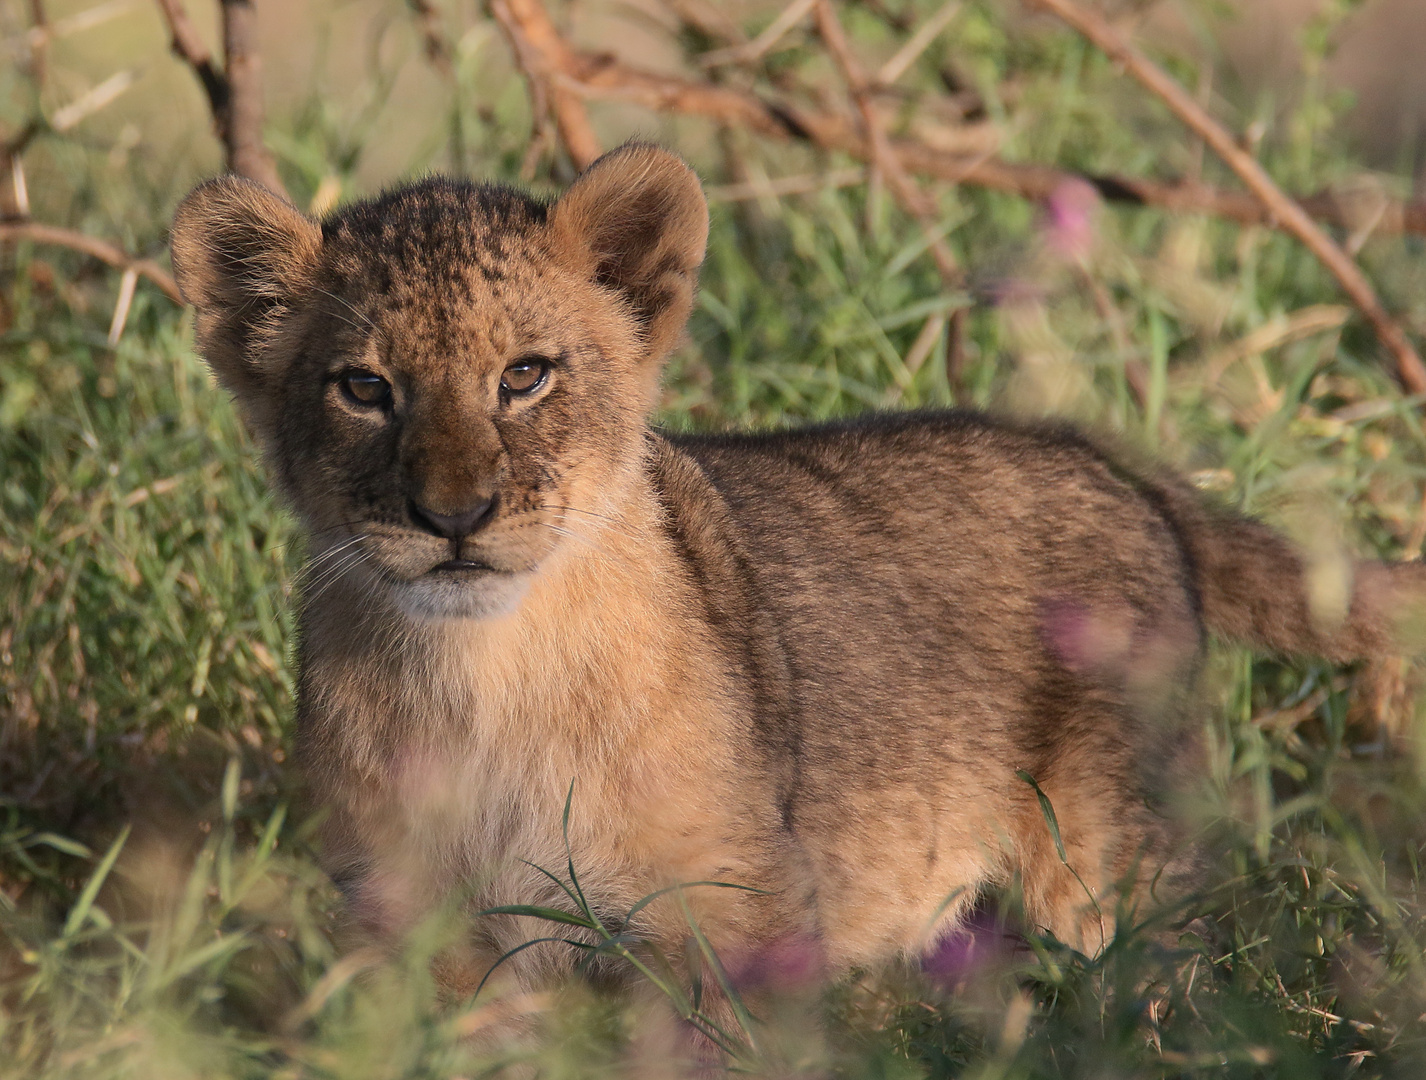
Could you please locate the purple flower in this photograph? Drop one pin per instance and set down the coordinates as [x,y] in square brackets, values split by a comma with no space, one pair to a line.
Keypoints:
[975,946]
[1071,212]
[786,963]
[1086,638]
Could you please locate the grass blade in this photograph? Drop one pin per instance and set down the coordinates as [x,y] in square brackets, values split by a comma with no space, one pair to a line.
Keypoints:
[646,901]
[82,906]
[1047,809]
[535,912]
[521,948]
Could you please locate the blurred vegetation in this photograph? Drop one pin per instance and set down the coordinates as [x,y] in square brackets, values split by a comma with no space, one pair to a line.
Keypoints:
[162,911]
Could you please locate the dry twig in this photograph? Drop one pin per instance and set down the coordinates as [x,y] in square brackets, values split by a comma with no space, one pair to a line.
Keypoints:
[754,50]
[917,43]
[90,102]
[39,39]
[247,153]
[543,136]
[1282,209]
[14,199]
[188,46]
[234,93]
[121,306]
[544,58]
[601,76]
[708,19]
[14,203]
[94,247]
[883,159]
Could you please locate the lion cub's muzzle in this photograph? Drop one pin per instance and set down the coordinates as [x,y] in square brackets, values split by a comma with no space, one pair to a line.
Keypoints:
[472,573]
[456,526]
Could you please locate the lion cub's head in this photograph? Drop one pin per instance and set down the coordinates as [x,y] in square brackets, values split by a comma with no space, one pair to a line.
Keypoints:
[443,375]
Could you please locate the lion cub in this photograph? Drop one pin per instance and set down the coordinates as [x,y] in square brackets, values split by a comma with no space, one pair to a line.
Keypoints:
[807,661]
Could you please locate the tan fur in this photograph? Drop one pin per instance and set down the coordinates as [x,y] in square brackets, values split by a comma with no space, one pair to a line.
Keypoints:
[808,662]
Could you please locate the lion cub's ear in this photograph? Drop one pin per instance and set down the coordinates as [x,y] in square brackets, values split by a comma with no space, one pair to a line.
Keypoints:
[636,221]
[242,257]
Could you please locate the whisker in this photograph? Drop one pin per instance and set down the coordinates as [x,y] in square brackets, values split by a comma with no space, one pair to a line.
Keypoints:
[586,513]
[588,541]
[352,308]
[318,586]
[333,528]
[330,553]
[607,523]
[335,574]
[318,569]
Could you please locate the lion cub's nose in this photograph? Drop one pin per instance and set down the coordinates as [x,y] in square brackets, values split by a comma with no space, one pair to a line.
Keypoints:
[453,526]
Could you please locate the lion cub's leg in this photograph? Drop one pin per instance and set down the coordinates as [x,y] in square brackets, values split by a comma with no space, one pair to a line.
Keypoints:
[1114,848]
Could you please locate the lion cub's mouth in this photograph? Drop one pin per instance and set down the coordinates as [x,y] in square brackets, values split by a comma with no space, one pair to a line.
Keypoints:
[460,566]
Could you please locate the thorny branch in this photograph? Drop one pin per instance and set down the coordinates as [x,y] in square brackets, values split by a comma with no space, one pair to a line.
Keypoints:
[1283,210]
[14,203]
[568,75]
[94,247]
[235,92]
[545,59]
[188,46]
[600,75]
[883,160]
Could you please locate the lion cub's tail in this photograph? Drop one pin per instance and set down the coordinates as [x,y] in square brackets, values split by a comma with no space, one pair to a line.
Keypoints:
[1257,587]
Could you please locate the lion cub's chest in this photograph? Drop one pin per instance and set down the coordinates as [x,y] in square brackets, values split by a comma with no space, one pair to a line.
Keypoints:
[469,737]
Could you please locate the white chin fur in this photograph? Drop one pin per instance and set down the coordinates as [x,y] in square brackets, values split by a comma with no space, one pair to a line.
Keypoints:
[432,599]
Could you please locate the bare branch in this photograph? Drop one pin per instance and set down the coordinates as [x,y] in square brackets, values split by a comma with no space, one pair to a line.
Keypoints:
[883,159]
[600,76]
[746,53]
[189,47]
[39,40]
[93,247]
[710,20]
[247,153]
[14,197]
[543,55]
[14,202]
[537,84]
[1291,217]
[917,43]
[234,93]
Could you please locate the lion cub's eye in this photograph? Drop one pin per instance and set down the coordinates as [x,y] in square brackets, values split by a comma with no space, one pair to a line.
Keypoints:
[524,376]
[364,388]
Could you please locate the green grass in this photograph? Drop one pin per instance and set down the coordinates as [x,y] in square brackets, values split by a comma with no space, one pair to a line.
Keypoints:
[159,897]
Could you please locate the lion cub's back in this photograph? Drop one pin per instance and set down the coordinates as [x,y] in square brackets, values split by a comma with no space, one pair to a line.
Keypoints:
[920,566]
